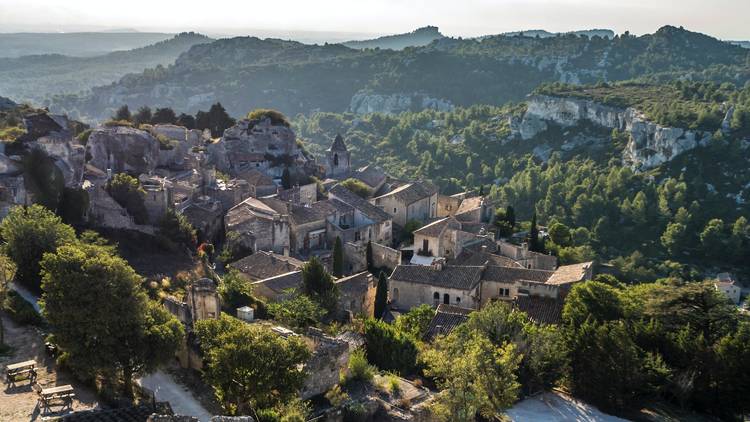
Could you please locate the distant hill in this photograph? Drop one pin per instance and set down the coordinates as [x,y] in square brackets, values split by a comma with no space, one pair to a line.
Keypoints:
[34,78]
[417,38]
[79,44]
[244,73]
[743,44]
[603,33]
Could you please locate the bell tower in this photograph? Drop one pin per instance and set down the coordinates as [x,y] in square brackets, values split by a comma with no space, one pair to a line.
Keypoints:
[339,163]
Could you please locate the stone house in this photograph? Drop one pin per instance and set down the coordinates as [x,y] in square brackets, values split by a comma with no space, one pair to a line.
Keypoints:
[338,159]
[373,177]
[259,226]
[525,257]
[277,287]
[412,201]
[158,198]
[205,215]
[263,264]
[357,294]
[726,284]
[358,221]
[441,238]
[414,285]
[259,184]
[300,195]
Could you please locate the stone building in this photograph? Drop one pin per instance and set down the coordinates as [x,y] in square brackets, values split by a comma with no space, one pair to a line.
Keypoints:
[358,220]
[525,257]
[259,184]
[412,201]
[357,294]
[338,159]
[259,226]
[373,177]
[205,215]
[158,198]
[263,264]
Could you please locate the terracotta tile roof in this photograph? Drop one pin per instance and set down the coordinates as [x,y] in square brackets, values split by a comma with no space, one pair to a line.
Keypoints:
[262,265]
[357,284]
[454,277]
[447,317]
[512,275]
[542,310]
[469,204]
[570,273]
[372,212]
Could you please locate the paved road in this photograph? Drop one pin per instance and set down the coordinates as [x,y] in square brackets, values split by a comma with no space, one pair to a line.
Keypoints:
[180,398]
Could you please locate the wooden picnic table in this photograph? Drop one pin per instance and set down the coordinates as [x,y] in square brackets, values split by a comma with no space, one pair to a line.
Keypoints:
[20,368]
[63,393]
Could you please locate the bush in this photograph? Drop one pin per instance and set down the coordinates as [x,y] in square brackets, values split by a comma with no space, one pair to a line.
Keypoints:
[356,186]
[176,228]
[393,384]
[127,191]
[21,311]
[277,118]
[336,396]
[359,368]
[115,123]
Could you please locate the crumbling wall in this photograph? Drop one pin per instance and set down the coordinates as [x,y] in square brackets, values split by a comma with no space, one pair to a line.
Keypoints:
[383,256]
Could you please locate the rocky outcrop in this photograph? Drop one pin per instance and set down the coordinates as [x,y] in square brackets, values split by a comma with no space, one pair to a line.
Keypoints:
[123,149]
[7,103]
[363,103]
[650,144]
[52,134]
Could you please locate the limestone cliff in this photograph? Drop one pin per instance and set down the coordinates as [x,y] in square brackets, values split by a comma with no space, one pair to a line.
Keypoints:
[650,144]
[123,149]
[363,103]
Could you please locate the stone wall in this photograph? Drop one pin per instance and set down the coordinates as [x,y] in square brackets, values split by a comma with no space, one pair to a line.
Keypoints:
[329,357]
[383,256]
[355,257]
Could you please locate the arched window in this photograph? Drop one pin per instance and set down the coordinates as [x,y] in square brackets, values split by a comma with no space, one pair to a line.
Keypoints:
[447,299]
[458,300]
[335,159]
[436,299]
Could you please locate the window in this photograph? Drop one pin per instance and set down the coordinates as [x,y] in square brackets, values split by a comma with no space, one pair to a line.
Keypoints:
[356,236]
[394,210]
[436,299]
[335,159]
[458,300]
[504,292]
[425,246]
[447,299]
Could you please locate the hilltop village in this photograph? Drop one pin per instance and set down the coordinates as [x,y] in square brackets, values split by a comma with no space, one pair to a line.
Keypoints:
[345,293]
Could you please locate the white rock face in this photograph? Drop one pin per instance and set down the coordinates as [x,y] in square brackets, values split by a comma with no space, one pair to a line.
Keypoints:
[650,144]
[364,103]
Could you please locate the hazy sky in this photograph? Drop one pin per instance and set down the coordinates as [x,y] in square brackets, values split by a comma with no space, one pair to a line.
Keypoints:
[727,19]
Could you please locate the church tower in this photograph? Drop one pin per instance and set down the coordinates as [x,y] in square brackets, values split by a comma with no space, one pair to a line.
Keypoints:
[339,164]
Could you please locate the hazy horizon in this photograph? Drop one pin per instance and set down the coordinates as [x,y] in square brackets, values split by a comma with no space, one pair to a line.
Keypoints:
[338,20]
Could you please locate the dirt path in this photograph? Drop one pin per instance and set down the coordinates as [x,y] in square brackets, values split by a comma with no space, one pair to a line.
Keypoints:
[18,402]
[179,397]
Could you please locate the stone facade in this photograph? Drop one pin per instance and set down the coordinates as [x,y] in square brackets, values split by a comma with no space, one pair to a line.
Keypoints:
[338,159]
[413,201]
[259,226]
[330,356]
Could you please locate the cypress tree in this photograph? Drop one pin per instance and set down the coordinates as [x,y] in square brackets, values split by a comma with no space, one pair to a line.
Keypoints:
[368,256]
[338,258]
[381,295]
[510,215]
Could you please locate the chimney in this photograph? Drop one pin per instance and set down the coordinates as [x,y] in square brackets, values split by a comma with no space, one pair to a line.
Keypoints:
[484,248]
[438,263]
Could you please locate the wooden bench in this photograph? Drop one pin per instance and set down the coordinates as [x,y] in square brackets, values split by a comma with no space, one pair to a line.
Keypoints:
[63,394]
[26,368]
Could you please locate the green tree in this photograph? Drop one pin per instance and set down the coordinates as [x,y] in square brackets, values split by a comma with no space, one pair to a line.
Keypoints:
[675,238]
[560,234]
[29,233]
[123,113]
[474,377]
[176,228]
[390,349]
[143,116]
[298,311]
[164,115]
[7,272]
[381,295]
[535,243]
[338,258]
[250,367]
[592,300]
[127,191]
[416,321]
[100,317]
[368,257]
[186,120]
[318,284]
[286,179]
[356,186]
[712,238]
[216,120]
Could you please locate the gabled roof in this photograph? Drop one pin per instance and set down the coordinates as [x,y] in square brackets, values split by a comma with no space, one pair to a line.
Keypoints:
[447,317]
[452,277]
[570,273]
[512,275]
[262,265]
[412,192]
[350,198]
[370,175]
[542,310]
[469,204]
[355,285]
[338,144]
[471,257]
[255,178]
[436,228]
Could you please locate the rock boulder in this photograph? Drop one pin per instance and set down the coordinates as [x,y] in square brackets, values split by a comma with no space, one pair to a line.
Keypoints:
[123,149]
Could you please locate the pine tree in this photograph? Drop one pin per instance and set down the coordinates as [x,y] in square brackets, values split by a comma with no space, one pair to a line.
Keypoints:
[381,295]
[535,243]
[123,113]
[368,256]
[338,258]
[510,215]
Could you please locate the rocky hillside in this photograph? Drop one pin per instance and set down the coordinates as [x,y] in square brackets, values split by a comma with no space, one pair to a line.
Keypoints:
[78,44]
[244,73]
[417,38]
[36,77]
